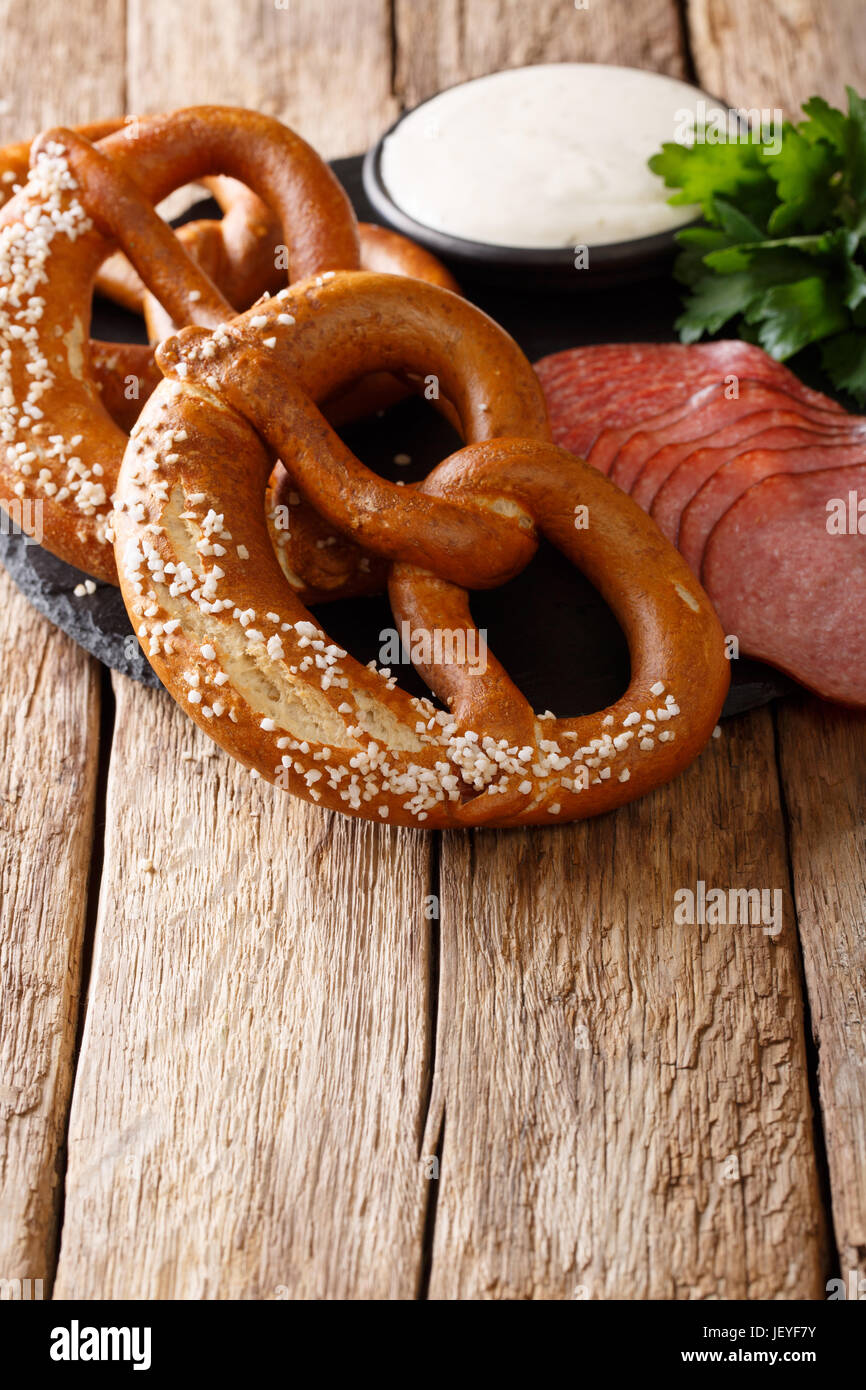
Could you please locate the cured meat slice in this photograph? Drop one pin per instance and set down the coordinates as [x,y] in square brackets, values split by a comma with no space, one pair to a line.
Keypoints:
[793,590]
[650,456]
[609,446]
[614,385]
[729,482]
[698,467]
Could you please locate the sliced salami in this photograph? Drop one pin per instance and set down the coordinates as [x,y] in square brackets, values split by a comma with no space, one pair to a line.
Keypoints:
[729,482]
[610,445]
[699,467]
[786,569]
[721,423]
[616,385]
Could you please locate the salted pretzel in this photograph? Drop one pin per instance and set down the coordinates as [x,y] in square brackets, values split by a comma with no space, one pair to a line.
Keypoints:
[113,364]
[241,654]
[237,252]
[55,234]
[62,449]
[15,158]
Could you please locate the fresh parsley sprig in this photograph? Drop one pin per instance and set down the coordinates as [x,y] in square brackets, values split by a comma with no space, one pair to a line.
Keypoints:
[782,248]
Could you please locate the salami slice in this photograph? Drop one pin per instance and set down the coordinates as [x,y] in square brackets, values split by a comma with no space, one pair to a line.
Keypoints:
[721,423]
[729,482]
[786,569]
[618,385]
[610,445]
[700,466]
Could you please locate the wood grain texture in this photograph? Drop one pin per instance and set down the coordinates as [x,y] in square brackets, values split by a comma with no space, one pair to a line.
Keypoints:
[253,1074]
[620,1103]
[49,717]
[49,732]
[254,1068]
[440,45]
[778,53]
[322,66]
[625,1100]
[59,63]
[823,760]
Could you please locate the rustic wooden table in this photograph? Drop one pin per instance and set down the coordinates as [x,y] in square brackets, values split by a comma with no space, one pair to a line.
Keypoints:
[260,1068]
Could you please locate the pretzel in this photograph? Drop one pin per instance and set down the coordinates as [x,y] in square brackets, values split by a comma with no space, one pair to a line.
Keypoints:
[238,255]
[113,363]
[237,252]
[93,194]
[62,449]
[241,654]
[15,159]
[245,274]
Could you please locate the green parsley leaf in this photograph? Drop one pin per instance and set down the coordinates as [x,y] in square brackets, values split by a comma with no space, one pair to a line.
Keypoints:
[855,148]
[704,172]
[844,360]
[802,172]
[790,317]
[697,244]
[714,300]
[781,254]
[824,123]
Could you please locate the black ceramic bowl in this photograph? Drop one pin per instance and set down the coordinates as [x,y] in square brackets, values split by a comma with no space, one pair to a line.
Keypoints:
[616,262]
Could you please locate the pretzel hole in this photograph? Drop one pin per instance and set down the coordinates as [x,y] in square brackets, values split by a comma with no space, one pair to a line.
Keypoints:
[573,662]
[402,443]
[118,323]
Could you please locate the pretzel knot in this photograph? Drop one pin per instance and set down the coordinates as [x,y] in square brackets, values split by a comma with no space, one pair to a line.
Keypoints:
[233,643]
[59,445]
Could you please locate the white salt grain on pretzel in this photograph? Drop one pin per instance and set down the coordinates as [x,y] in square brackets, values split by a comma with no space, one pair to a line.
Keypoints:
[242,655]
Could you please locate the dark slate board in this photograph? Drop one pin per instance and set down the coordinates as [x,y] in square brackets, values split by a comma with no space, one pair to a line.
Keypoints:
[549,627]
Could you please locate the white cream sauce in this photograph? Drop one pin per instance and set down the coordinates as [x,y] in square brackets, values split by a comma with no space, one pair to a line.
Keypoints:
[547,156]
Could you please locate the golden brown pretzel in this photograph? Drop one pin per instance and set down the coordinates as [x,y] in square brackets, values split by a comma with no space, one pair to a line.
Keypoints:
[15,159]
[236,254]
[238,650]
[125,372]
[62,449]
[239,253]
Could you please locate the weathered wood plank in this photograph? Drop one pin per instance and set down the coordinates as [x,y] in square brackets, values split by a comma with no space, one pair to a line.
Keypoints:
[251,1087]
[59,64]
[49,734]
[49,718]
[609,1091]
[625,1100]
[458,39]
[778,53]
[254,1068]
[775,54]
[322,66]
[823,762]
